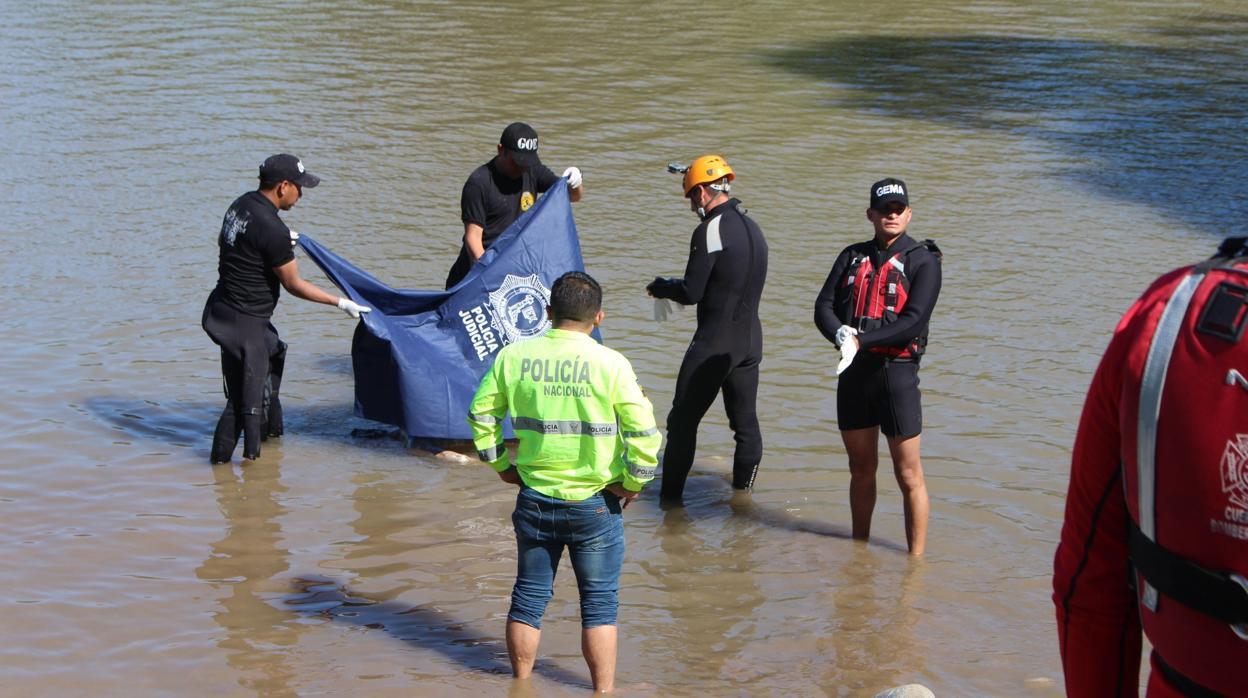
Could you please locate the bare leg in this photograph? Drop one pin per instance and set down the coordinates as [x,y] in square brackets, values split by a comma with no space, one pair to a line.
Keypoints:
[862,446]
[598,646]
[909,471]
[522,648]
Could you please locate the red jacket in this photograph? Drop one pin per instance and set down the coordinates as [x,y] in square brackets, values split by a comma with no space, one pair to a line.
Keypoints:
[1199,447]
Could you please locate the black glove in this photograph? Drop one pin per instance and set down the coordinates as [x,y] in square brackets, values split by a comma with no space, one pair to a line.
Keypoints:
[658,283]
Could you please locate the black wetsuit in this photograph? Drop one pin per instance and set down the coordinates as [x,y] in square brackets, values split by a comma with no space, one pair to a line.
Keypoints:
[253,241]
[878,390]
[724,277]
[494,201]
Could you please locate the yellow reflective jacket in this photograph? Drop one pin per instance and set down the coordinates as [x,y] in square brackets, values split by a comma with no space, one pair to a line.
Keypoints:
[578,412]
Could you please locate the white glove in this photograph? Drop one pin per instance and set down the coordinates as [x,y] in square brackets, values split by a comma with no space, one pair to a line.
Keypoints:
[573,175]
[844,333]
[294,238]
[849,349]
[661,309]
[352,308]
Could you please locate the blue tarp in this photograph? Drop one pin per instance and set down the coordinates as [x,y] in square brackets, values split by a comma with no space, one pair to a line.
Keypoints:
[419,355]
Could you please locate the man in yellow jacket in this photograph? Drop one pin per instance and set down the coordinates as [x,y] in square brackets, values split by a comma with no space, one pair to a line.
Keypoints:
[587,444]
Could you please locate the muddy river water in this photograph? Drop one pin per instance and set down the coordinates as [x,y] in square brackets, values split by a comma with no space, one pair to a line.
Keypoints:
[1061,155]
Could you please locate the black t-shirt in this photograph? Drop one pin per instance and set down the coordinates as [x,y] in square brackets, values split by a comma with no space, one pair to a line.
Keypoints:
[494,201]
[253,241]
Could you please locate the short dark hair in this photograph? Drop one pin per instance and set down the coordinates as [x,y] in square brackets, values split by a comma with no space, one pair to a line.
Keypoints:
[575,296]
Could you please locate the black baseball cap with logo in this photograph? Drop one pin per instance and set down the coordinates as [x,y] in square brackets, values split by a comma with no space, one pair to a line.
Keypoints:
[520,140]
[886,191]
[286,168]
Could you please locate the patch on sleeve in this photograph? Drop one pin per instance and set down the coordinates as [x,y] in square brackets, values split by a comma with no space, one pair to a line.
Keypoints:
[713,242]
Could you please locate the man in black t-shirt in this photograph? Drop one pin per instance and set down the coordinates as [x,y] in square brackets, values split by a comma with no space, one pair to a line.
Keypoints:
[497,192]
[256,257]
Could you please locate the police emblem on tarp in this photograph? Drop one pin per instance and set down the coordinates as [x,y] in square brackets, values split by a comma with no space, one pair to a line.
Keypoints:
[419,356]
[520,304]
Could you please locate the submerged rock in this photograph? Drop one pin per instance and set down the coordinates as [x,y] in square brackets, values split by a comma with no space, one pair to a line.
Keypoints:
[910,690]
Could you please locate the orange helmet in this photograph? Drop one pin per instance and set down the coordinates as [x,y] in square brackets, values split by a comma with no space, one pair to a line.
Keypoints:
[708,168]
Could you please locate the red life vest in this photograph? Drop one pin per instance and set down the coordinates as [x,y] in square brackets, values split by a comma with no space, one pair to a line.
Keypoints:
[1184,412]
[876,299]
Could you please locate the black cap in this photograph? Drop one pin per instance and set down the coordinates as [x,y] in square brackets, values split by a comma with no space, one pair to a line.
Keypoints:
[520,140]
[886,191]
[285,167]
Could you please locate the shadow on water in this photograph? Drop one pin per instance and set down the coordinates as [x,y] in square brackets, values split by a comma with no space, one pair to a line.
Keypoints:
[335,364]
[175,423]
[190,424]
[421,626]
[1158,123]
[744,506]
[705,497]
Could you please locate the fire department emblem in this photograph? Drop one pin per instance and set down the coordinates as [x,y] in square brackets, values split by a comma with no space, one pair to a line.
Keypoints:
[1234,471]
[520,306]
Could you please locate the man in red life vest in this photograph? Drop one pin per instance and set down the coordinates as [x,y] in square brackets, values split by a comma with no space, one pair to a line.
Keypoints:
[879,297]
[1156,530]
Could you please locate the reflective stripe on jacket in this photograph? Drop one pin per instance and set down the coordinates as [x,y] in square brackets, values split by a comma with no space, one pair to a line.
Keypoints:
[579,414]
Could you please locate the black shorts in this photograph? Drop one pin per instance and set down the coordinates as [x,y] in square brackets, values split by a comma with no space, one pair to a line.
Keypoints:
[875,392]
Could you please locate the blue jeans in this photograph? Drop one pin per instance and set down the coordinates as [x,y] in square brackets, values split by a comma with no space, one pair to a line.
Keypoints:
[592,530]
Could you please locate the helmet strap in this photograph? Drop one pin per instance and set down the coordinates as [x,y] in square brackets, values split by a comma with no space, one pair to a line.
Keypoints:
[720,187]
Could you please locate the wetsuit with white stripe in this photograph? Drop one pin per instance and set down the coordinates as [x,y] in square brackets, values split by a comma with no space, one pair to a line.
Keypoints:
[724,277]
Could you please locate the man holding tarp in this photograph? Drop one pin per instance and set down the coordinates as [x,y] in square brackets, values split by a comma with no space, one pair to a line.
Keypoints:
[419,356]
[497,192]
[255,260]
[588,443]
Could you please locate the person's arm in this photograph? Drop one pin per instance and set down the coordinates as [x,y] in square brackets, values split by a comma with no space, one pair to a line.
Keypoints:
[1097,619]
[825,305]
[576,183]
[639,433]
[472,212]
[544,178]
[689,290]
[638,430]
[276,247]
[485,416]
[473,240]
[288,276]
[924,290]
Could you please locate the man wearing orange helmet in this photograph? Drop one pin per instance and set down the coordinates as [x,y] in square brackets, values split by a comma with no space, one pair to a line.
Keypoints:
[724,277]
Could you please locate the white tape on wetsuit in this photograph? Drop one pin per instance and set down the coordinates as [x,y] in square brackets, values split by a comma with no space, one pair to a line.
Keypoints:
[713,241]
[1152,384]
